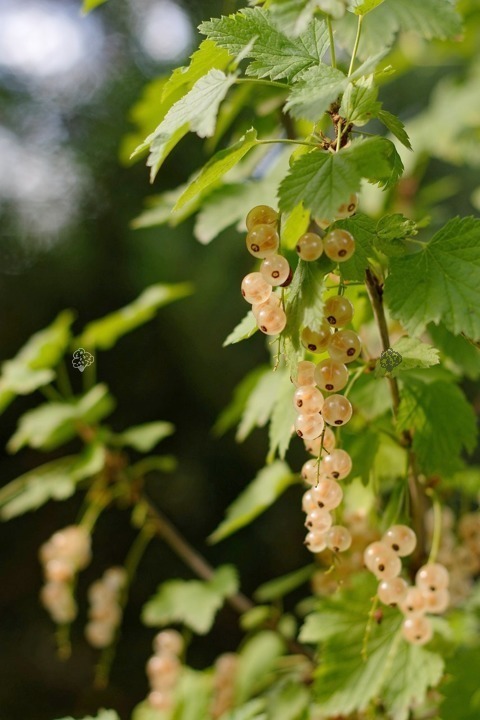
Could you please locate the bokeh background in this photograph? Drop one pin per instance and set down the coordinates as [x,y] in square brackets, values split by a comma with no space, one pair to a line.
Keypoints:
[67,83]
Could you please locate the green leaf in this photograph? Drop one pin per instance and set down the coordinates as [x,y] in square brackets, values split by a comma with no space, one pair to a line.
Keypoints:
[89,5]
[282,419]
[324,181]
[217,166]
[414,353]
[244,330]
[430,18]
[362,448]
[196,112]
[257,660]
[260,404]
[52,424]
[288,702]
[274,55]
[391,233]
[294,225]
[232,414]
[465,356]
[315,91]
[443,423]
[461,683]
[359,102]
[363,230]
[102,715]
[55,480]
[439,283]
[362,7]
[257,497]
[305,299]
[191,602]
[31,367]
[252,710]
[396,127]
[281,586]
[145,437]
[104,333]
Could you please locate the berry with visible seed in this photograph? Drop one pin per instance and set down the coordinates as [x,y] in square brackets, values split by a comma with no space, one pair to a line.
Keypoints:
[344,346]
[314,446]
[316,340]
[307,399]
[349,208]
[309,427]
[436,602]
[432,577]
[310,471]
[319,520]
[337,410]
[275,270]
[413,603]
[271,320]
[315,541]
[328,494]
[261,215]
[331,375]
[255,289]
[401,539]
[417,630]
[305,373]
[392,592]
[337,465]
[338,538]
[339,245]
[262,241]
[338,311]
[382,561]
[309,247]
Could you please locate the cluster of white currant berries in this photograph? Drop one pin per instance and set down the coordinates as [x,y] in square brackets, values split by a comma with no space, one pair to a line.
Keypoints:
[428,595]
[459,551]
[224,684]
[67,552]
[164,669]
[105,611]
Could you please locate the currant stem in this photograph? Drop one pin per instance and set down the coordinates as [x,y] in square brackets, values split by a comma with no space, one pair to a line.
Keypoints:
[437,526]
[368,628]
[355,47]
[332,42]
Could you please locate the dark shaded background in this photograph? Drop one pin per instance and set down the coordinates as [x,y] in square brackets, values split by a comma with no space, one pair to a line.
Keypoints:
[173,368]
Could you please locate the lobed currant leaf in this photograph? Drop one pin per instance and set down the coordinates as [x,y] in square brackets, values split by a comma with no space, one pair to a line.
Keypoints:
[395,125]
[314,92]
[413,353]
[464,355]
[359,103]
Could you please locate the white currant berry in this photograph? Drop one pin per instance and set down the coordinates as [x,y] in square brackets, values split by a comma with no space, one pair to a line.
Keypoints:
[436,602]
[168,641]
[309,246]
[338,538]
[271,320]
[275,270]
[255,289]
[319,520]
[160,700]
[330,375]
[344,346]
[305,372]
[226,665]
[261,215]
[413,603]
[59,570]
[347,209]
[163,670]
[262,241]
[316,340]
[432,577]
[392,592]
[310,472]
[309,427]
[339,245]
[272,302]
[401,539]
[382,561]
[314,446]
[337,465]
[328,494]
[99,634]
[417,630]
[315,541]
[307,399]
[115,578]
[337,410]
[338,311]
[309,501]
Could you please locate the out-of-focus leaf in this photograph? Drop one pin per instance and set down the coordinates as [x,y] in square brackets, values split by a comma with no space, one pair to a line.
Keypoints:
[413,354]
[281,586]
[102,715]
[244,330]
[257,659]
[88,6]
[145,437]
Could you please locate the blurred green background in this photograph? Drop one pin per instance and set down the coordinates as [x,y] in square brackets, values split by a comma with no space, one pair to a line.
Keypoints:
[67,84]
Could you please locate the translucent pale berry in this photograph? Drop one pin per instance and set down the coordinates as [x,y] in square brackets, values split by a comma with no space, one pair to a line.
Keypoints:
[314,446]
[262,241]
[99,634]
[338,311]
[307,399]
[316,340]
[310,472]
[319,520]
[344,346]
[323,223]
[328,494]
[315,541]
[261,215]
[168,641]
[433,577]
[436,602]
[330,375]
[309,501]
[271,320]
[59,570]
[413,603]
[337,410]
[392,592]
[339,245]
[338,538]
[337,465]
[160,700]
[275,269]
[272,302]
[305,372]
[401,539]
[73,543]
[115,578]
[255,289]
[309,426]
[417,630]
[382,561]
[347,209]
[309,246]
[165,667]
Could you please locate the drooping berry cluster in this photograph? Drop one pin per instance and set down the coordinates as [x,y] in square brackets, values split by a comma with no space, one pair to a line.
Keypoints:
[428,595]
[224,684]
[164,668]
[62,556]
[105,612]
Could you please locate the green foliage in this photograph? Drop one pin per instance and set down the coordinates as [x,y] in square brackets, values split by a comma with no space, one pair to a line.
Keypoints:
[257,660]
[465,356]
[88,6]
[277,588]
[443,423]
[274,55]
[439,282]
[359,102]
[363,7]
[145,437]
[104,333]
[282,419]
[415,354]
[363,230]
[288,702]
[305,302]
[244,330]
[262,492]
[462,682]
[316,89]
[102,715]
[191,602]
[391,233]
[396,127]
